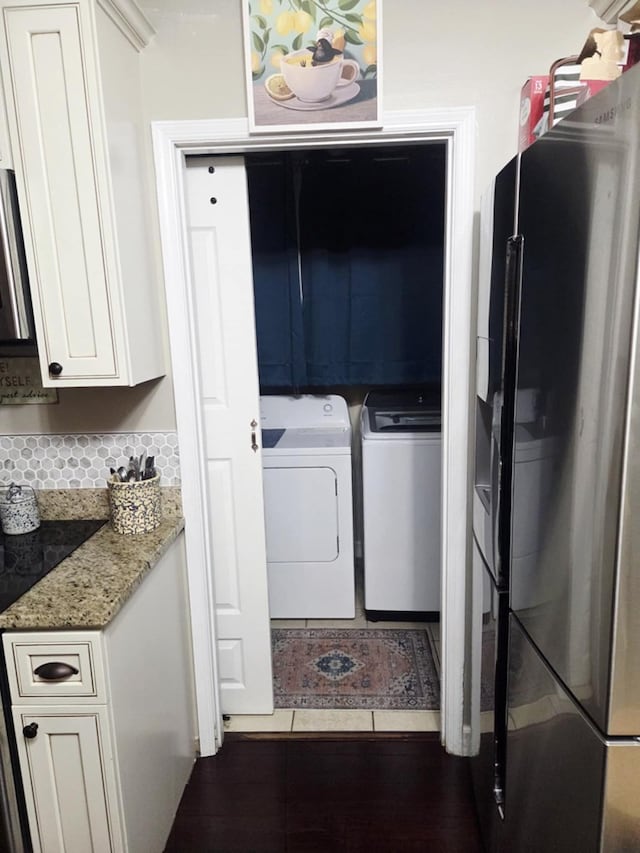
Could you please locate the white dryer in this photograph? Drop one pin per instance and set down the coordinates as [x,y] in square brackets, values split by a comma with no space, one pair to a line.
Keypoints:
[306,452]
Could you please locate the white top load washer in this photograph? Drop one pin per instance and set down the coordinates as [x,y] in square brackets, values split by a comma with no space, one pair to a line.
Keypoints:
[306,453]
[401,495]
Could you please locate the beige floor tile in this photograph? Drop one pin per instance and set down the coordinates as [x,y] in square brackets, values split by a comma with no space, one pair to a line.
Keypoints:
[288,623]
[358,622]
[332,721]
[406,721]
[279,721]
[407,625]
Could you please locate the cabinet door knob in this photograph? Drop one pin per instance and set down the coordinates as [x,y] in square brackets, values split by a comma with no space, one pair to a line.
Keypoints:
[30,731]
[55,368]
[54,670]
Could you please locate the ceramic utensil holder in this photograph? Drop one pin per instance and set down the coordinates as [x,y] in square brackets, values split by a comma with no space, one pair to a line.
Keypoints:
[135,506]
[19,510]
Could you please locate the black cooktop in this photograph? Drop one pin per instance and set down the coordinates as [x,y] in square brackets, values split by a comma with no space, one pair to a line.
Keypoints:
[28,557]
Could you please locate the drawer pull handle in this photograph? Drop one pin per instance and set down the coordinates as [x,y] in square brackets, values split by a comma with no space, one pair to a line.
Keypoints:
[30,731]
[55,670]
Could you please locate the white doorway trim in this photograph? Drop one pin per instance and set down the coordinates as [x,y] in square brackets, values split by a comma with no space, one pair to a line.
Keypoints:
[172,141]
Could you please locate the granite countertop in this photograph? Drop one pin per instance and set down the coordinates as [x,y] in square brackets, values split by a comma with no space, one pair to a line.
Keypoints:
[88,588]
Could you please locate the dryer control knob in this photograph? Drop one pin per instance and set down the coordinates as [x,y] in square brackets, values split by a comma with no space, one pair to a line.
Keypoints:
[328,407]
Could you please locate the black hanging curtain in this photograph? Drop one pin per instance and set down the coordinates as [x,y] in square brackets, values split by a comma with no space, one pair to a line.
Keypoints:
[349,266]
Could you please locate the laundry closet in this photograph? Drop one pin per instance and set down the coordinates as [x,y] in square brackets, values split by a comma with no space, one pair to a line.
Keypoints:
[348,248]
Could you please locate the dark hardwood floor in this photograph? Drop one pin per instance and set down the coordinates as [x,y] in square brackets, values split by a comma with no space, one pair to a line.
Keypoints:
[328,794]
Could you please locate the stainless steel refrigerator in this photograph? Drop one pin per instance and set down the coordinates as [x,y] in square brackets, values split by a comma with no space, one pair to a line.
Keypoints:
[557,487]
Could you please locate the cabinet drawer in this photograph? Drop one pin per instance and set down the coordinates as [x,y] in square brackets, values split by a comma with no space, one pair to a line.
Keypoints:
[68,667]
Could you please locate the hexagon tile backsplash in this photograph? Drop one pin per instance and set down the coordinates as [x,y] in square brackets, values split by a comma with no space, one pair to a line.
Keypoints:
[83,461]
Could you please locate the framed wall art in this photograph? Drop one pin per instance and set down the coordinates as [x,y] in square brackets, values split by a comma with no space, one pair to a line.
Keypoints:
[313,64]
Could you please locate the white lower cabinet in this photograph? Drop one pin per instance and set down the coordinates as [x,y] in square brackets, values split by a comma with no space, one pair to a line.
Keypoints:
[71,791]
[105,721]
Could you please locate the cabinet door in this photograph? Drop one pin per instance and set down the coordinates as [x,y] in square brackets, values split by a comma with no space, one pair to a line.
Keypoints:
[57,126]
[68,781]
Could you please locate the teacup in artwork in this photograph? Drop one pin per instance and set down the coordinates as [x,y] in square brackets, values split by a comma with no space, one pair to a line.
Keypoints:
[313,81]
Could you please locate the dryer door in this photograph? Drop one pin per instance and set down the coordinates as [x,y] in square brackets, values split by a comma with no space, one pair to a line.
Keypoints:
[301,514]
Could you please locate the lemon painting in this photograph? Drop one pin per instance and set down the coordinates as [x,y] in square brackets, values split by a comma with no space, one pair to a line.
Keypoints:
[312,62]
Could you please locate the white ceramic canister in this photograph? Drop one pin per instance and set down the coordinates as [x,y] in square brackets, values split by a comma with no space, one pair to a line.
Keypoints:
[18,509]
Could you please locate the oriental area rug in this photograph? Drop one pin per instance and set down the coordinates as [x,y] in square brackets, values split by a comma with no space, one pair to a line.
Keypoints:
[373,669]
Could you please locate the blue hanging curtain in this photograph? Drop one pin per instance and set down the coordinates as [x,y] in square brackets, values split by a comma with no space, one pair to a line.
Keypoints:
[276,280]
[349,266]
[372,260]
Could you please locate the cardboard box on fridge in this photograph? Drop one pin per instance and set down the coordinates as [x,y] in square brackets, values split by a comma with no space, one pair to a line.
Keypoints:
[531,107]
[568,95]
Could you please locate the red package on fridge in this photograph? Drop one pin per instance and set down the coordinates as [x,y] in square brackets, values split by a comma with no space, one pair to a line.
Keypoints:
[531,107]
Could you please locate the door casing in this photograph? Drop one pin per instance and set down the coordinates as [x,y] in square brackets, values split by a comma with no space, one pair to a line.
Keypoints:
[172,142]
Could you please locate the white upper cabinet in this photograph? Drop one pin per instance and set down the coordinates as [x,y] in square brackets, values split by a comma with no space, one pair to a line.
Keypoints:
[72,86]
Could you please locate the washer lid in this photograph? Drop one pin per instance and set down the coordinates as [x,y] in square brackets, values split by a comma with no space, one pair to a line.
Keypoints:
[413,420]
[409,431]
[416,411]
[427,397]
[403,411]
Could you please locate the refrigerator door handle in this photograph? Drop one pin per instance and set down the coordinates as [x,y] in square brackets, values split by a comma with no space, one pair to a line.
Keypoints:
[494,510]
[504,416]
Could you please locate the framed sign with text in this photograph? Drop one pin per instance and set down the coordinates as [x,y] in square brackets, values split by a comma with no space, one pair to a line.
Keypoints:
[21,383]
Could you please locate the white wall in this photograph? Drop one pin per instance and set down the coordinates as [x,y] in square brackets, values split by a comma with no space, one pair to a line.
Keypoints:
[193,68]
[147,407]
[451,53]
[436,54]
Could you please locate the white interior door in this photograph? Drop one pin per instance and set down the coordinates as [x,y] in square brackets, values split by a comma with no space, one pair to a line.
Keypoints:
[224,332]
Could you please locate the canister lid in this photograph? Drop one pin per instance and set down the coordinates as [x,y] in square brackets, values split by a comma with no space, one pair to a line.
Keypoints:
[15,494]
